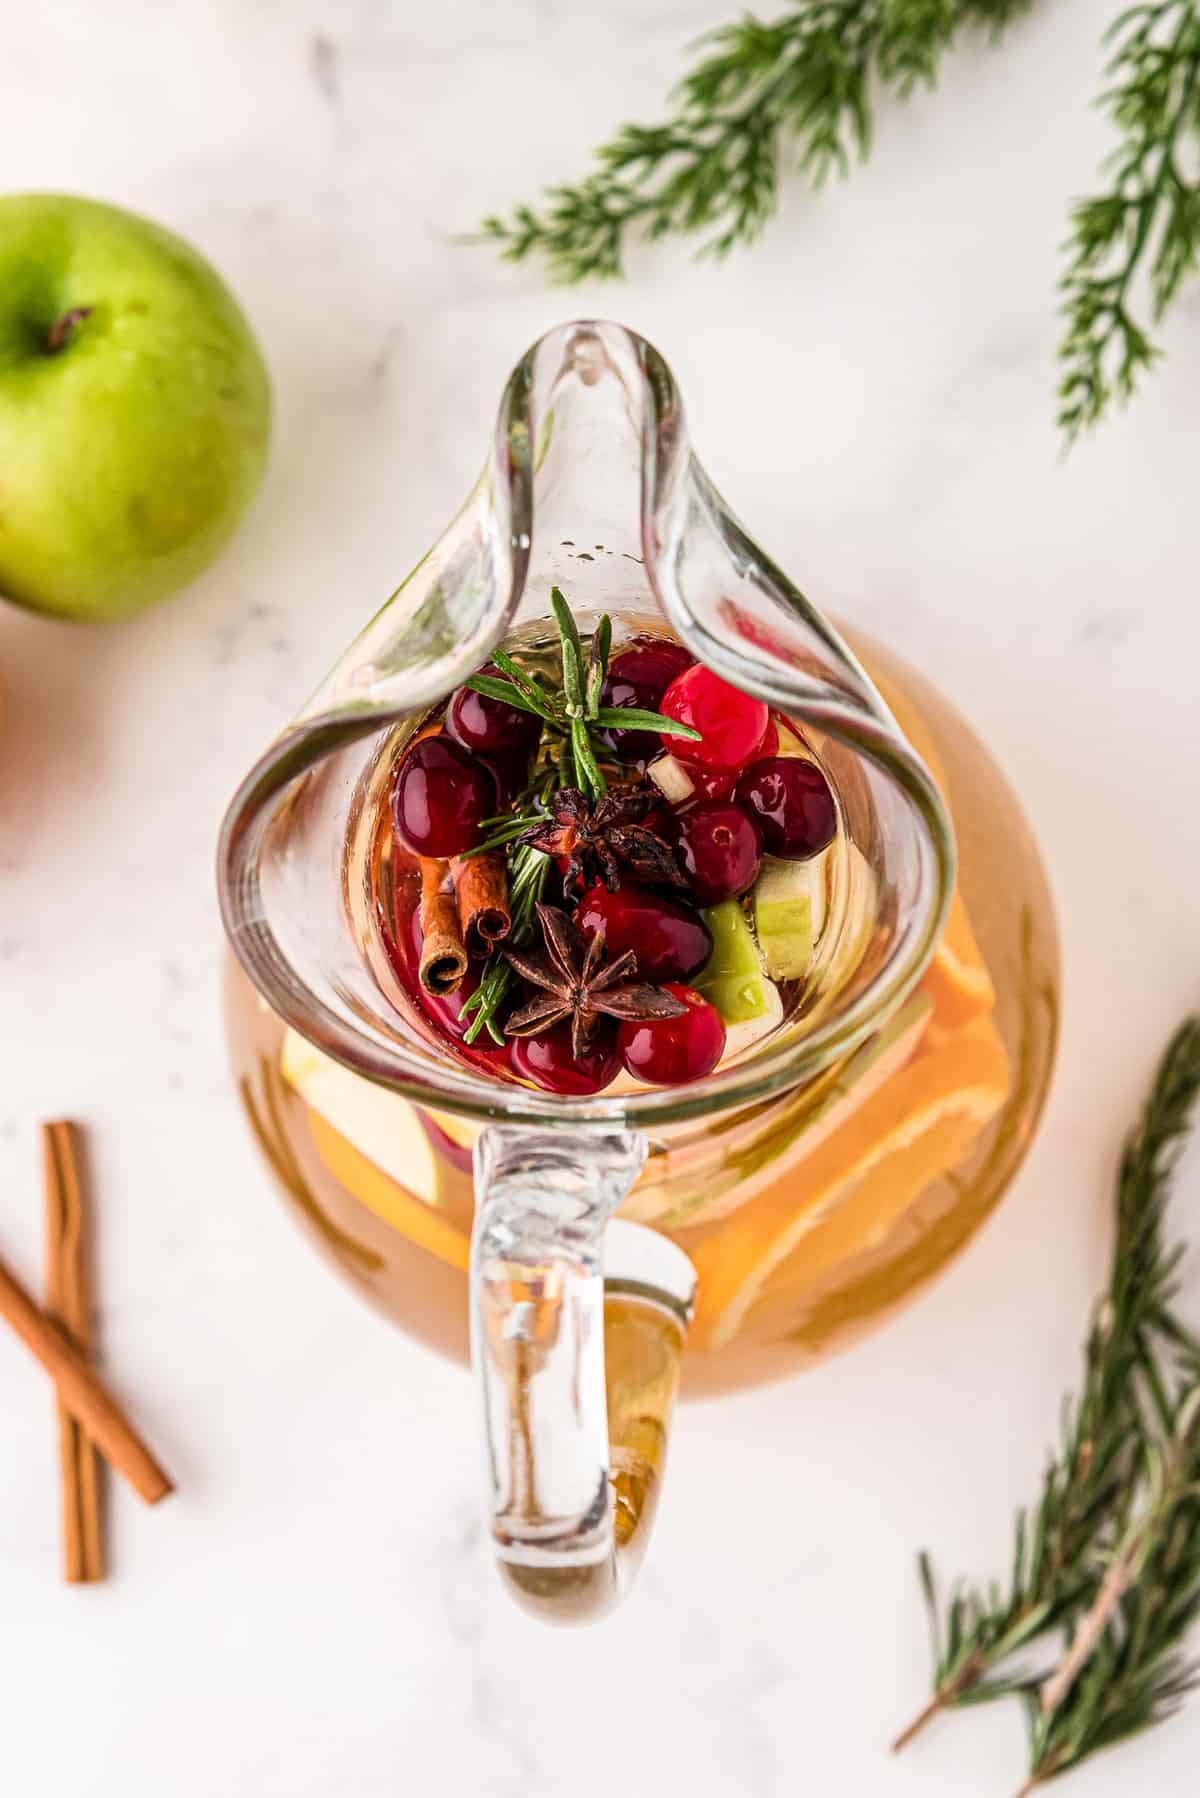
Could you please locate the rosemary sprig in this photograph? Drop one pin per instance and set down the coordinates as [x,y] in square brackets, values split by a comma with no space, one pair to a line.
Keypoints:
[1089,1488]
[1147,222]
[712,166]
[1122,1671]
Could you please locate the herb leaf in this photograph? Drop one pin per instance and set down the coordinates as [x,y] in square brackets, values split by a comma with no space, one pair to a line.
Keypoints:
[632,717]
[587,769]
[568,630]
[598,665]
[510,694]
[531,688]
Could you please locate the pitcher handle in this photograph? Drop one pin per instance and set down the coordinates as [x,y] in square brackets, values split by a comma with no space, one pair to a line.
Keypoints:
[570,1512]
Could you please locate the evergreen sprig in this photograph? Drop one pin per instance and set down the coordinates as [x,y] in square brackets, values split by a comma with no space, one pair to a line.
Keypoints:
[807,80]
[1142,1374]
[1146,224]
[711,168]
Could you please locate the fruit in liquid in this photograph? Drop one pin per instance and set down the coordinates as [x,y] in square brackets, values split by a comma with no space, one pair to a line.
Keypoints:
[832,1206]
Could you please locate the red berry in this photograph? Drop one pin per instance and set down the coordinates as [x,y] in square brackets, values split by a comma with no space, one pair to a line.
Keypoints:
[639,677]
[441,797]
[730,722]
[670,941]
[712,783]
[792,805]
[770,739]
[671,1051]
[551,1063]
[478,722]
[510,771]
[719,850]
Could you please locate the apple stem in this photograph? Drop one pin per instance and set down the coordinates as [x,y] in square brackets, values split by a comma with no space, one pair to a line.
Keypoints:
[62,328]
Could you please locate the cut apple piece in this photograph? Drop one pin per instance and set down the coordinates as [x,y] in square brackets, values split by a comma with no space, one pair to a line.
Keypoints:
[732,977]
[741,1037]
[790,903]
[381,1125]
[390,1199]
[672,779]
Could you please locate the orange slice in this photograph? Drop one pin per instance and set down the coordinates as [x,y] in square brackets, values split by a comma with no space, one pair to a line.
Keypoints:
[385,1197]
[957,979]
[909,1133]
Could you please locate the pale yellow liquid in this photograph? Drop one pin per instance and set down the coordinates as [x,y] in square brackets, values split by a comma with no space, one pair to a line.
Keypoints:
[867,1247]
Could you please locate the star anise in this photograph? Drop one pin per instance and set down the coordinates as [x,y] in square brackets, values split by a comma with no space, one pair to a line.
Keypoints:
[576,981]
[605,838]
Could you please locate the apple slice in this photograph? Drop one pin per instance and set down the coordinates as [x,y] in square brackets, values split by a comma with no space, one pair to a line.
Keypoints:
[384,1127]
[790,903]
[732,977]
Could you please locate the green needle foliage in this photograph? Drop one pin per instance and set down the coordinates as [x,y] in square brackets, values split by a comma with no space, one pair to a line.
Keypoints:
[805,80]
[1146,224]
[802,87]
[1093,1503]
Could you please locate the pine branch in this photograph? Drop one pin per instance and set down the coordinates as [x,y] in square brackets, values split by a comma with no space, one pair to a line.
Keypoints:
[1146,225]
[711,169]
[1091,1485]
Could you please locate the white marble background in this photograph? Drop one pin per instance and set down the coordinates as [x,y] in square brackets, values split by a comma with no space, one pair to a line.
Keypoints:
[313,1614]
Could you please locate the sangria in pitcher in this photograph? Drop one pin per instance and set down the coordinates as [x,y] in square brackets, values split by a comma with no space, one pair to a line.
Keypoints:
[607,978]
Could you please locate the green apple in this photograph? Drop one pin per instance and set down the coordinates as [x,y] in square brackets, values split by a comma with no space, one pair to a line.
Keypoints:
[134,409]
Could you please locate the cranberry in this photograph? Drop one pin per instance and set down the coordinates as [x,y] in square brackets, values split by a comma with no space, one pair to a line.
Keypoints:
[510,772]
[639,677]
[731,723]
[791,803]
[719,850]
[551,1063]
[441,797]
[718,783]
[670,942]
[671,1051]
[478,722]
[711,783]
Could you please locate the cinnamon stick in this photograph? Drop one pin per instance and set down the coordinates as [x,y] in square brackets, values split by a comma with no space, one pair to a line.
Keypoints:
[82,1392]
[443,953]
[68,1303]
[481,890]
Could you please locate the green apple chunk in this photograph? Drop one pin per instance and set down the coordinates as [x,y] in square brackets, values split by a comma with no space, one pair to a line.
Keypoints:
[134,409]
[732,977]
[789,910]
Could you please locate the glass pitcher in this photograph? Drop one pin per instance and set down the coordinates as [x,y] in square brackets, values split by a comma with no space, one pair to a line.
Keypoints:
[855,1135]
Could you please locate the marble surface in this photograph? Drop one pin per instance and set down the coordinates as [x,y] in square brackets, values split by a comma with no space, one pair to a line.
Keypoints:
[313,1613]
